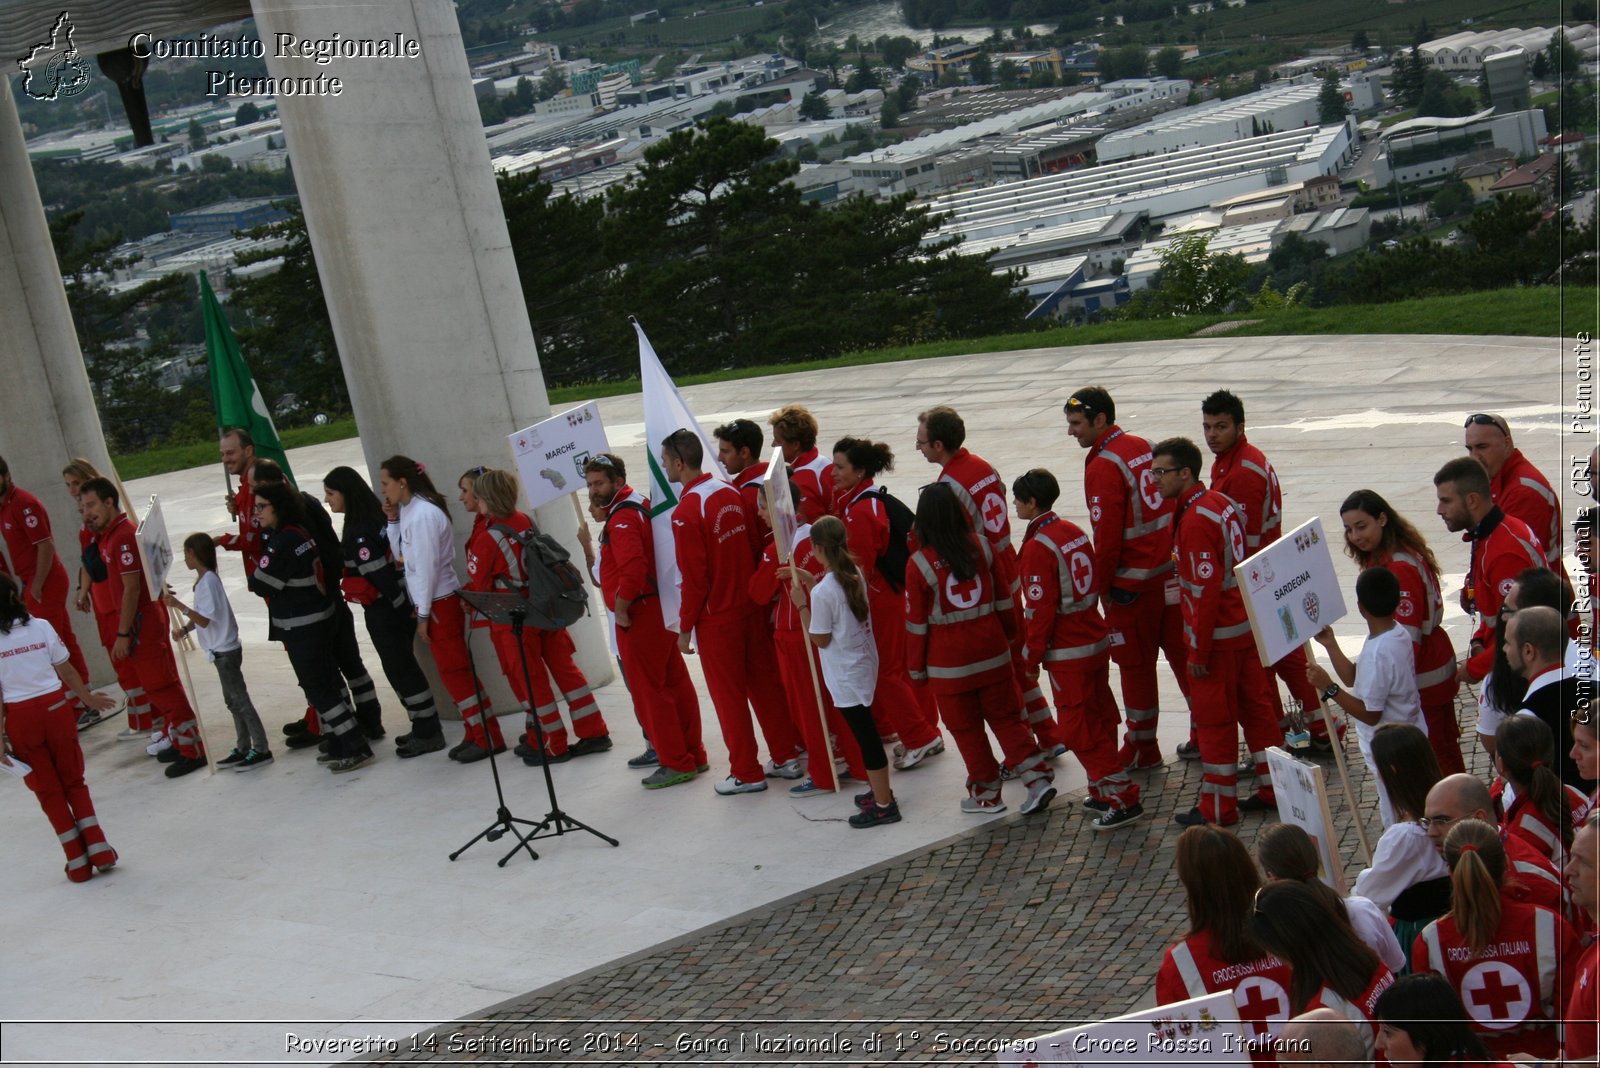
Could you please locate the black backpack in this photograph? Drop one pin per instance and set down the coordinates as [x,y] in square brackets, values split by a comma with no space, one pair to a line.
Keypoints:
[892,564]
[552,585]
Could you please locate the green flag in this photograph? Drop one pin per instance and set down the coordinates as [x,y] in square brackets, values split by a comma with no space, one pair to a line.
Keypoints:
[234,392]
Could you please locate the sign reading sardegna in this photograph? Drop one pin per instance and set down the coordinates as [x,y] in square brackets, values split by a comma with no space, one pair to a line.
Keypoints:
[322,51]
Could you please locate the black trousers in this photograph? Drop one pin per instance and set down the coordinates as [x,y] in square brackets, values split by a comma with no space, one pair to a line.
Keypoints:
[313,655]
[393,632]
[363,694]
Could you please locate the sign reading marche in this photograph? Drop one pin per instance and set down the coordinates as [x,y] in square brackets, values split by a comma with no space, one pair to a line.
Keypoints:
[550,455]
[156,548]
[1290,591]
[1198,1031]
[1303,801]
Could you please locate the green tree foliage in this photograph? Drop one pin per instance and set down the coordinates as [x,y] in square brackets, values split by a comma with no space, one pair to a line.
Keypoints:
[1410,72]
[246,114]
[896,50]
[1452,199]
[813,106]
[1331,104]
[197,135]
[1192,281]
[1169,62]
[1008,74]
[1128,61]
[889,114]
[1562,57]
[1540,67]
[981,69]
[1360,42]
[907,91]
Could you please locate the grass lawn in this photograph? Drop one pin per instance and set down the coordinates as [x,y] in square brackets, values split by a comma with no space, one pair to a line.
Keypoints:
[1539,312]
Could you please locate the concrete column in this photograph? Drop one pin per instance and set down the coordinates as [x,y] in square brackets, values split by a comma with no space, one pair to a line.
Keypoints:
[406,225]
[47,412]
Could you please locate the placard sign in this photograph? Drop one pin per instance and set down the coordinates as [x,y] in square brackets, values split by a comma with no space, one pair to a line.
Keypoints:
[550,455]
[155,547]
[1303,801]
[1199,1031]
[1290,591]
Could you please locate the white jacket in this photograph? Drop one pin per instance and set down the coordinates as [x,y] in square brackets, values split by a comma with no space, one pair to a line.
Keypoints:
[424,543]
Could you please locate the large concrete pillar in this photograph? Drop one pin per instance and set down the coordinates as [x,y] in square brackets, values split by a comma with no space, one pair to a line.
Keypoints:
[405,222]
[47,412]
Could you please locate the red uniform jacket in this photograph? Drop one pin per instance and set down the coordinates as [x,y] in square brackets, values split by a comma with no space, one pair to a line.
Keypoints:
[24,524]
[1261,987]
[1210,540]
[1359,1011]
[982,493]
[748,483]
[628,564]
[1514,989]
[1521,490]
[866,526]
[958,633]
[1243,475]
[1584,1007]
[1421,612]
[1132,524]
[716,553]
[1524,821]
[1502,548]
[1061,614]
[247,543]
[813,473]
[118,546]
[772,592]
[1530,877]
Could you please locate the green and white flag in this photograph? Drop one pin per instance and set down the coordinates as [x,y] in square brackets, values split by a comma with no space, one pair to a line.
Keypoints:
[234,392]
[664,413]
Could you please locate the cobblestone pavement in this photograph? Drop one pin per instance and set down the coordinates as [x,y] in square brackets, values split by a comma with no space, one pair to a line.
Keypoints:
[1019,927]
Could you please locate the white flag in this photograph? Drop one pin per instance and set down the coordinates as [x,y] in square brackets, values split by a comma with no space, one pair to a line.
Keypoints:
[785,523]
[664,413]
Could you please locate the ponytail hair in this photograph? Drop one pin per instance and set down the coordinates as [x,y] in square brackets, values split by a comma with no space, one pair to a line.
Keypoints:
[1477,862]
[12,608]
[1525,747]
[405,469]
[871,457]
[828,539]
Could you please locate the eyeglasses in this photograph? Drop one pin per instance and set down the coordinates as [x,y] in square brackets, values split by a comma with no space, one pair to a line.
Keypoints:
[1435,821]
[921,442]
[260,506]
[1162,472]
[1480,419]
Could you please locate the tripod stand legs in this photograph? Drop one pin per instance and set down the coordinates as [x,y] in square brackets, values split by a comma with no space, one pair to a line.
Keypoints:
[503,824]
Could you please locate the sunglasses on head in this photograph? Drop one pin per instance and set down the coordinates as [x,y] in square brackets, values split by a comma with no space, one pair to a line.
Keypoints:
[1480,419]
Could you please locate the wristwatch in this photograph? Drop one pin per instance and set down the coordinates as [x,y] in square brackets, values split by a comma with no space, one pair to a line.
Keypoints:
[1331,692]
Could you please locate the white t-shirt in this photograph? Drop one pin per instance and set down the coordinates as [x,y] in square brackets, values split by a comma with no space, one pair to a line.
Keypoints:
[28,656]
[1405,856]
[221,634]
[850,661]
[1371,925]
[1386,682]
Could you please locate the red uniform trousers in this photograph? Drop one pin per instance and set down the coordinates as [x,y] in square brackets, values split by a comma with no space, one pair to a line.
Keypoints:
[898,708]
[447,638]
[549,654]
[140,716]
[741,672]
[793,651]
[1035,709]
[1233,694]
[966,712]
[1088,723]
[44,735]
[1149,627]
[1439,712]
[663,693]
[154,673]
[53,610]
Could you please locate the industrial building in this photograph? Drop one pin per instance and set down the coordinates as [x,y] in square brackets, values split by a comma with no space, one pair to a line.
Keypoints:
[1428,149]
[1464,53]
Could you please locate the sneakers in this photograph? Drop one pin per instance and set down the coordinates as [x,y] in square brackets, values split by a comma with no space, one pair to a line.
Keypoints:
[88,718]
[1188,751]
[974,806]
[303,740]
[1056,751]
[254,759]
[537,759]
[159,746]
[523,749]
[351,763]
[327,756]
[169,755]
[789,769]
[664,776]
[1140,762]
[231,759]
[184,765]
[646,759]
[896,750]
[701,769]
[374,732]
[585,746]
[1094,804]
[415,747]
[128,734]
[732,785]
[916,755]
[296,727]
[1257,803]
[876,816]
[1193,818]
[1111,819]
[469,753]
[808,788]
[1040,794]
[866,800]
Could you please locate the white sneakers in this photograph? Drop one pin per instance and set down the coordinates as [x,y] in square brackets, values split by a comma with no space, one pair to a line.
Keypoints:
[789,769]
[729,786]
[909,758]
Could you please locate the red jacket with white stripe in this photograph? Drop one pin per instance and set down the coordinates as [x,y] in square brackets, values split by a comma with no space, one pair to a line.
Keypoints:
[813,473]
[1243,475]
[1521,490]
[768,590]
[1191,969]
[1210,540]
[1530,877]
[1515,988]
[1061,614]
[866,526]
[716,551]
[1132,523]
[628,564]
[982,493]
[1502,548]
[1523,820]
[1360,1011]
[1421,613]
[958,632]
[748,483]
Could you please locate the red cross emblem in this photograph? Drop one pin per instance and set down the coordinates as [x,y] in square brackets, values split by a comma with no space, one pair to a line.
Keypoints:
[994,513]
[1262,1003]
[962,594]
[1496,995]
[1149,492]
[1082,572]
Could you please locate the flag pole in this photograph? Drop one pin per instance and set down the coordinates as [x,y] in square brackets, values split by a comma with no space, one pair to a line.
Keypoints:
[784,556]
[1344,775]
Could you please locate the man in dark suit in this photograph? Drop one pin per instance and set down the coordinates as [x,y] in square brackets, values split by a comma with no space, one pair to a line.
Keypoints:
[1536,647]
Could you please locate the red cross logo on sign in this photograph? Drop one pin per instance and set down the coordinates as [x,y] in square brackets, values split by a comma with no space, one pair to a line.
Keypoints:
[994,513]
[1262,1003]
[1496,995]
[1148,491]
[1082,572]
[962,594]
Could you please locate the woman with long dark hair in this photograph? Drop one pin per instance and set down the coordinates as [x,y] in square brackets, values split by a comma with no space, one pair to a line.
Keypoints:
[958,613]
[301,612]
[1219,953]
[1331,967]
[1287,852]
[373,581]
[1422,1022]
[420,534]
[37,720]
[1486,936]
[1375,535]
[1406,877]
[1541,810]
